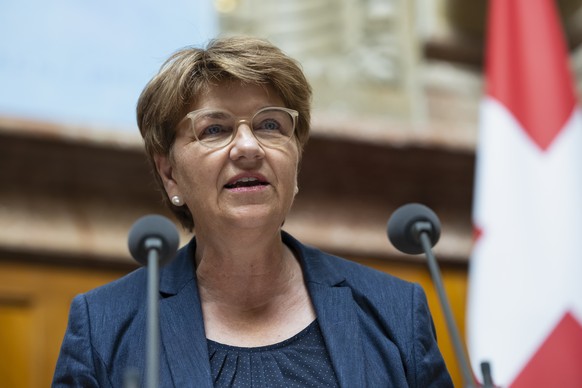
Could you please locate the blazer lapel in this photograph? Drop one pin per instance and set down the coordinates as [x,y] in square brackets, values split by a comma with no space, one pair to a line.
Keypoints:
[182,328]
[339,325]
[336,313]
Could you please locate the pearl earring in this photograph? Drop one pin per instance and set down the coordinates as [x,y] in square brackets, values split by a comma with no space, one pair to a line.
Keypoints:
[296,189]
[176,201]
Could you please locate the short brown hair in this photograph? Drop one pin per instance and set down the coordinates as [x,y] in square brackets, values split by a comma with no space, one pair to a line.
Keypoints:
[189,72]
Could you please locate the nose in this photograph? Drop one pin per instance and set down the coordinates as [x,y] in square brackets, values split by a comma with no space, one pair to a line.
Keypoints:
[245,144]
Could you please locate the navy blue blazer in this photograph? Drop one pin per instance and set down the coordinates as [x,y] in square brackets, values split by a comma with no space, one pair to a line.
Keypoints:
[378,329]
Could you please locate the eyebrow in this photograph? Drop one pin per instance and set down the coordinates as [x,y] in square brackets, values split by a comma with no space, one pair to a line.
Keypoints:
[216,114]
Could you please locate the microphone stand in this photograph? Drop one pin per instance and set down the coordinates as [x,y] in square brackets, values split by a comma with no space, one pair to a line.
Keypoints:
[153,246]
[422,229]
[152,241]
[413,229]
[486,373]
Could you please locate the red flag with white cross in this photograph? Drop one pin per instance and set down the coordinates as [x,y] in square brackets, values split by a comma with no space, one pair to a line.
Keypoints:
[524,312]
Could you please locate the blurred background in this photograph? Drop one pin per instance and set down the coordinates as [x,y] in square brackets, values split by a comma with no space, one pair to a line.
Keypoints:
[397,86]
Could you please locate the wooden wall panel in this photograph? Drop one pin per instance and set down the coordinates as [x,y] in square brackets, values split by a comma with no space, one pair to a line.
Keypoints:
[16,343]
[34,305]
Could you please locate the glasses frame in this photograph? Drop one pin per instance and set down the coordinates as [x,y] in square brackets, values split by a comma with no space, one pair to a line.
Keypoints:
[246,120]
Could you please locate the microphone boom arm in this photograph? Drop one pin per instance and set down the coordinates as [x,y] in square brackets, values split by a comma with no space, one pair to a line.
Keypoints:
[422,230]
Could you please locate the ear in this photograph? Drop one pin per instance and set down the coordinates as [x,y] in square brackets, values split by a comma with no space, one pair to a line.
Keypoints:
[166,172]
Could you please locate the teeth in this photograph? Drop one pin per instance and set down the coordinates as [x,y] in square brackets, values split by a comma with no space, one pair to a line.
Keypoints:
[246,181]
[250,179]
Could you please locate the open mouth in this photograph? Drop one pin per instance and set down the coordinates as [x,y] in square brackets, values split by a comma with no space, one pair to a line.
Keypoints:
[246,182]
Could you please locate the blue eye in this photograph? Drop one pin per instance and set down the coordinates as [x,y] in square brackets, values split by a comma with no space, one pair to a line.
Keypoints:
[269,125]
[213,130]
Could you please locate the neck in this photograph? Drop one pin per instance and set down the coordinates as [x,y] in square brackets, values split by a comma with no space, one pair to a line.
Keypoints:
[251,289]
[245,272]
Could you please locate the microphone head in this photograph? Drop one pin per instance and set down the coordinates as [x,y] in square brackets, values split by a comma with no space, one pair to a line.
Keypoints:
[155,226]
[401,231]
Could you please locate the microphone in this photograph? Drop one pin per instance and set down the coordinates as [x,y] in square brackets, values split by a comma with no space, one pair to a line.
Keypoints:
[406,223]
[152,241]
[153,232]
[413,229]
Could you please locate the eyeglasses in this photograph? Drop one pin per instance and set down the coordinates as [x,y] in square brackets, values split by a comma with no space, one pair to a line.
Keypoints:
[271,126]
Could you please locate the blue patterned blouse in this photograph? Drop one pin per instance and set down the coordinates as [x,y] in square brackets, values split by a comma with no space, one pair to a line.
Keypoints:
[300,361]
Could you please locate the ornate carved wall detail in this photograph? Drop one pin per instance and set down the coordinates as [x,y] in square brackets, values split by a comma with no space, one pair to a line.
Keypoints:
[360,55]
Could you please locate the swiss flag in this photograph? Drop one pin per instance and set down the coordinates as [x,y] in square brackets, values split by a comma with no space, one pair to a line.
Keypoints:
[525,290]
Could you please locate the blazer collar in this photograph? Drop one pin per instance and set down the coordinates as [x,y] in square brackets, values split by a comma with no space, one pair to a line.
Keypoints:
[177,273]
[181,325]
[336,312]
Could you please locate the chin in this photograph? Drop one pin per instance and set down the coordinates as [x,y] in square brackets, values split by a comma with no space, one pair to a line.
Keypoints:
[255,218]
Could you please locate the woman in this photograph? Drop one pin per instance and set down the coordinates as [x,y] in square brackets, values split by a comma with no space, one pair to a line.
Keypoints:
[244,303]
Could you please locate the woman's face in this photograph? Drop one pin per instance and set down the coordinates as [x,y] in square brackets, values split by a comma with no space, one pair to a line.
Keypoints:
[243,184]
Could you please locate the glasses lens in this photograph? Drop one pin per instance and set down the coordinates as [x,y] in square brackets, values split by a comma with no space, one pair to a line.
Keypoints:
[213,128]
[273,126]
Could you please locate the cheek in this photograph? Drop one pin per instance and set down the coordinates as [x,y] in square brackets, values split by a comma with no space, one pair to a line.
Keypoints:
[291,169]
[295,164]
[188,171]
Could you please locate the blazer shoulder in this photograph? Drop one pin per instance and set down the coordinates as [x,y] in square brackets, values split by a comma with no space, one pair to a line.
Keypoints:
[125,293]
[129,292]
[374,285]
[377,286]
[353,272]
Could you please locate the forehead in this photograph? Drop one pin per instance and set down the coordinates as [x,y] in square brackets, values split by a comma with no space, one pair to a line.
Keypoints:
[237,97]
